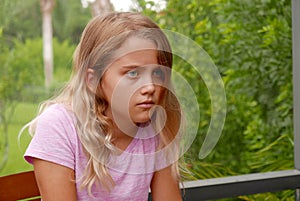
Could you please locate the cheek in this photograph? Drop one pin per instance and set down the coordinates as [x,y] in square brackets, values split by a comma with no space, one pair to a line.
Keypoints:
[121,96]
[110,88]
[160,93]
[104,92]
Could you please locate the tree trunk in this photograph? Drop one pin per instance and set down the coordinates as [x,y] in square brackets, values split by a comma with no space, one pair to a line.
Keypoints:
[101,6]
[46,8]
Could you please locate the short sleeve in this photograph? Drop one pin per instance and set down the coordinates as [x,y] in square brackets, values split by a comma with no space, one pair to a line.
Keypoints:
[55,138]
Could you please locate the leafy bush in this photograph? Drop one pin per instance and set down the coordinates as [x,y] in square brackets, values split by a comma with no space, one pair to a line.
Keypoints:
[23,71]
[22,78]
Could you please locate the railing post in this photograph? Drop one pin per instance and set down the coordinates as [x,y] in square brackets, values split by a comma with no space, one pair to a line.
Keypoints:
[297,194]
[296,79]
[296,85]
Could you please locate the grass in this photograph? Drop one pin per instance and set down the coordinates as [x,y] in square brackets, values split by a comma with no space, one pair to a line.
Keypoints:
[24,112]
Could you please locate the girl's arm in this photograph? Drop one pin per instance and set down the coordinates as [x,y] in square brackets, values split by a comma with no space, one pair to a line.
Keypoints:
[164,187]
[55,182]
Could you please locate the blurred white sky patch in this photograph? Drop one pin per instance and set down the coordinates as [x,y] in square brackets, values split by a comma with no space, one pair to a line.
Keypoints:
[158,5]
[127,5]
[85,3]
[122,5]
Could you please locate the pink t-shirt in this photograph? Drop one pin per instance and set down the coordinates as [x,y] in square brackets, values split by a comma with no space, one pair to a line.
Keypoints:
[56,140]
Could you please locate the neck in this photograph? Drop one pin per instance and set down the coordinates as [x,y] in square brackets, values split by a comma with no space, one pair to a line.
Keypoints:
[124,131]
[121,139]
[123,127]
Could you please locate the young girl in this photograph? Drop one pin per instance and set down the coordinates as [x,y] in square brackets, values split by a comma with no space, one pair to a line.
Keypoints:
[111,134]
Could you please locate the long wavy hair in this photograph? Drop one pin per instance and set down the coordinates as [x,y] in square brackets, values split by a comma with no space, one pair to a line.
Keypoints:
[102,36]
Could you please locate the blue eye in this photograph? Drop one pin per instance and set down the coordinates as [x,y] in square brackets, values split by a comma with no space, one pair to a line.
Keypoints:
[159,74]
[132,73]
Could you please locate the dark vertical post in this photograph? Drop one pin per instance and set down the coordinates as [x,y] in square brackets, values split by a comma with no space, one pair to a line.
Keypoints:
[296,79]
[296,84]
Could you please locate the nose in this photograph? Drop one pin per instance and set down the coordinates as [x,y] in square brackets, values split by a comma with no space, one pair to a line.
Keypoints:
[148,88]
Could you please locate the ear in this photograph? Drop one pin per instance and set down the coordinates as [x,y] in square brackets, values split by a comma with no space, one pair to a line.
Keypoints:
[90,79]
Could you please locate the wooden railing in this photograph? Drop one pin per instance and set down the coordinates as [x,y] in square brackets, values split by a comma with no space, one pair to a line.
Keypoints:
[212,189]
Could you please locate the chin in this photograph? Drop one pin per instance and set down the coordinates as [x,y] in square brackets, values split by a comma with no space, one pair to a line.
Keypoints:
[143,124]
[142,120]
[140,117]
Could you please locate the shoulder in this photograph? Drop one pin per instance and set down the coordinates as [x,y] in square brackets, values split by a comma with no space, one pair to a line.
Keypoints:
[55,137]
[56,112]
[56,122]
[56,116]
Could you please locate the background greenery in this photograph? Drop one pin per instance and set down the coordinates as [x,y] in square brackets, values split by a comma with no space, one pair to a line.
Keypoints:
[249,41]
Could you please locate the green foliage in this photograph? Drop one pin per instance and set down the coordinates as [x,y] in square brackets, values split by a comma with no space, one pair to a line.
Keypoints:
[202,170]
[22,79]
[69,19]
[23,67]
[282,196]
[21,20]
[261,64]
[63,58]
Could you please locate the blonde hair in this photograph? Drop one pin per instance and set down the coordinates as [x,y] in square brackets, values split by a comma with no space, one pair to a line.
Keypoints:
[102,36]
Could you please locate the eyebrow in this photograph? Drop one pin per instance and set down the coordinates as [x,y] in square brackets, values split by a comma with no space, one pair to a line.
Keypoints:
[131,66]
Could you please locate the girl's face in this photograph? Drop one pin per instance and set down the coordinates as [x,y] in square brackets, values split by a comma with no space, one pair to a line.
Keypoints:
[134,84]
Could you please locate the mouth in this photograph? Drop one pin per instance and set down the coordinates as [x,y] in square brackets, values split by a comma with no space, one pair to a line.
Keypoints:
[146,104]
